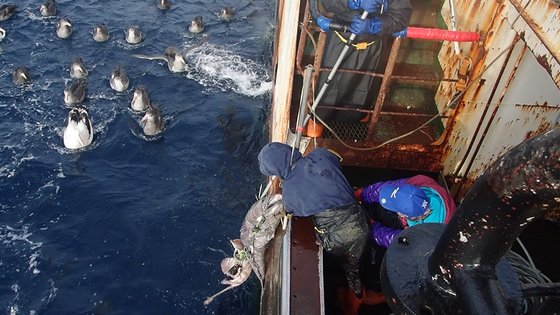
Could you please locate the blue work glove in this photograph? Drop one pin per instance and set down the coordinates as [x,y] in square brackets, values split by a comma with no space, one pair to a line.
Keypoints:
[368,5]
[323,23]
[359,26]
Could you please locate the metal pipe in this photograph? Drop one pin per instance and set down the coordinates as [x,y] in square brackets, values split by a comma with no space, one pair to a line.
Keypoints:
[334,69]
[383,89]
[304,98]
[454,25]
[516,189]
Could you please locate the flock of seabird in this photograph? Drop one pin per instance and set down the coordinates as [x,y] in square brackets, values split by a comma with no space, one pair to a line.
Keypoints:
[78,131]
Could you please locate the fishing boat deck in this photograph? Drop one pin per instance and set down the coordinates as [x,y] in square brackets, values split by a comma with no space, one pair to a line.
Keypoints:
[402,99]
[407,79]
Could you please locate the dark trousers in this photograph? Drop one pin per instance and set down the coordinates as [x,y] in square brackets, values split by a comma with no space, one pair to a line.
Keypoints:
[343,232]
[347,89]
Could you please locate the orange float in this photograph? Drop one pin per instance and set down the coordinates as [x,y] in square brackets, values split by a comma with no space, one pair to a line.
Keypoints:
[314,129]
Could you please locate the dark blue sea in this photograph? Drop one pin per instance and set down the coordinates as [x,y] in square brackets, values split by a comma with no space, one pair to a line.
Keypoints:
[130,224]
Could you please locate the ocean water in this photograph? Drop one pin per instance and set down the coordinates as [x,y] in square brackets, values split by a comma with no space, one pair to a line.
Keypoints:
[131,224]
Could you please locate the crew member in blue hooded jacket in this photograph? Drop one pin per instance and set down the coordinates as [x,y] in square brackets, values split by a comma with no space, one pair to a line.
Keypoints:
[315,186]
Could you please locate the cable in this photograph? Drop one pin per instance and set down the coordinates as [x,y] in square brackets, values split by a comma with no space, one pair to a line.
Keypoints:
[530,277]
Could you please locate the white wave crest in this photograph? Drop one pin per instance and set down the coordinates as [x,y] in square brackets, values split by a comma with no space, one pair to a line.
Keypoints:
[220,69]
[18,240]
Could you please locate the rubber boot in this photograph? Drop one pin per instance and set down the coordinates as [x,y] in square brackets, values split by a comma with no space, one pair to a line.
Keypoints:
[352,273]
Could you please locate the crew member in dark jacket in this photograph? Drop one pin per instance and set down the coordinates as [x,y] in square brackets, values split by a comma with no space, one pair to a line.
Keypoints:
[351,89]
[315,186]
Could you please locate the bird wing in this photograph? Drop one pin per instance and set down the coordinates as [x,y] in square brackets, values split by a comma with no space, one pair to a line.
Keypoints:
[153,57]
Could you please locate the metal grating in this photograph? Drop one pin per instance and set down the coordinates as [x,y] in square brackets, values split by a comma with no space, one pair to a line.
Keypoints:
[347,130]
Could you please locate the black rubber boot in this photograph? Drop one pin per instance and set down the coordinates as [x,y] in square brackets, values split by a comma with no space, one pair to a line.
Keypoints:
[352,272]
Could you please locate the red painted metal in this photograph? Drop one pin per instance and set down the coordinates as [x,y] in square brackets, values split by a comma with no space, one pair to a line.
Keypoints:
[440,35]
[304,286]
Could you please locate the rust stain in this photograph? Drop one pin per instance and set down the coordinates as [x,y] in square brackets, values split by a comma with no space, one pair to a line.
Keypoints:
[543,127]
[538,108]
[543,61]
[397,156]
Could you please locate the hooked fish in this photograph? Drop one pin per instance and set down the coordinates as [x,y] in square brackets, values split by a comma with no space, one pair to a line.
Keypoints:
[257,230]
[237,269]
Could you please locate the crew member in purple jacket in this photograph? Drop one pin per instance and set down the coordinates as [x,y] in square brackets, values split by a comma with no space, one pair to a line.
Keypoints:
[418,199]
[314,186]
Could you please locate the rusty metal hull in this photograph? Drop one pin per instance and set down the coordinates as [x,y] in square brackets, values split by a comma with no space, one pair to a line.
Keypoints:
[485,100]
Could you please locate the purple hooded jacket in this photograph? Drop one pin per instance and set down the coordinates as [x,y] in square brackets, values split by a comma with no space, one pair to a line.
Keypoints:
[384,235]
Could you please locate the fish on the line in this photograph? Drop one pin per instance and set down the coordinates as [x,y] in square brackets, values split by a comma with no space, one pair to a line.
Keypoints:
[258,228]
[237,269]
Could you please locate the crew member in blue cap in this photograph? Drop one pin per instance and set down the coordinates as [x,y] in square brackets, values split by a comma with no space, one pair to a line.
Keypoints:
[314,186]
[415,200]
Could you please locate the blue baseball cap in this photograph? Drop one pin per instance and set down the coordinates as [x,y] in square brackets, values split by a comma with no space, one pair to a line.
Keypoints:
[406,199]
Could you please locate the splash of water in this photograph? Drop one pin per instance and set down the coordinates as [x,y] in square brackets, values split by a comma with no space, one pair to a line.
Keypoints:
[220,69]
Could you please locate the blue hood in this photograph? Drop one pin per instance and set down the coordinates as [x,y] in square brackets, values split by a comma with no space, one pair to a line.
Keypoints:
[311,184]
[274,159]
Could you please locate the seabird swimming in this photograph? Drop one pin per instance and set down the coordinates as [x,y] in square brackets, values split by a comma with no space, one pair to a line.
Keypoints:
[152,122]
[6,11]
[119,79]
[174,58]
[48,8]
[140,100]
[2,34]
[77,69]
[100,33]
[197,26]
[63,28]
[164,4]
[75,92]
[133,35]
[79,130]
[21,76]
[226,14]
